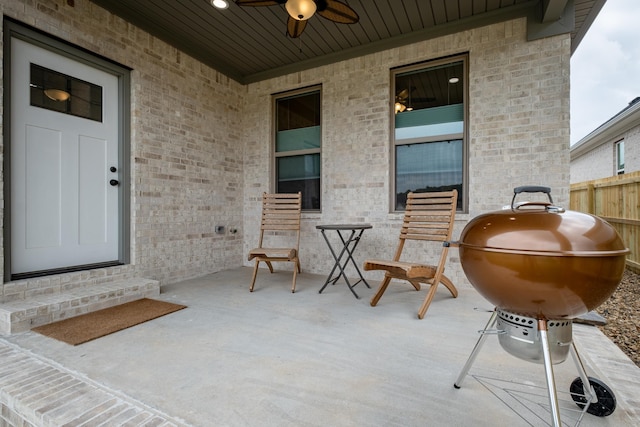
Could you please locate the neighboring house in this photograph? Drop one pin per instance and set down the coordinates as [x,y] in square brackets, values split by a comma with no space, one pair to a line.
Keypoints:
[198,147]
[611,149]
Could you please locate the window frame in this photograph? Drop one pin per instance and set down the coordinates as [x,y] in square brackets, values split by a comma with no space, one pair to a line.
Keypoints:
[463,207]
[619,153]
[275,155]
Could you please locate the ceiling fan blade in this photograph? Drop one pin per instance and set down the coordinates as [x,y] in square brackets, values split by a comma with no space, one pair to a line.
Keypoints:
[260,2]
[403,94]
[295,27]
[337,11]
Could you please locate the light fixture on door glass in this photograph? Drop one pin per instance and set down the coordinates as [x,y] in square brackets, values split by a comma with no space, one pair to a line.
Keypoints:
[57,94]
[220,4]
[300,10]
[454,80]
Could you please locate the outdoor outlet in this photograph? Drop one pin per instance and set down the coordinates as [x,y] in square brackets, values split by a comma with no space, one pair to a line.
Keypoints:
[219,229]
[233,230]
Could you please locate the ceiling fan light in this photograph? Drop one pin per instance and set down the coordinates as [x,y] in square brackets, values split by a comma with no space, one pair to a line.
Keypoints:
[399,107]
[301,10]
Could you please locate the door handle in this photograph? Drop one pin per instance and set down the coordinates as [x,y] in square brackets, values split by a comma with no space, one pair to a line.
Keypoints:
[114,182]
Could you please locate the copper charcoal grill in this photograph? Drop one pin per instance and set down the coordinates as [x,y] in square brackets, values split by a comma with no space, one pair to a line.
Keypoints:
[543,266]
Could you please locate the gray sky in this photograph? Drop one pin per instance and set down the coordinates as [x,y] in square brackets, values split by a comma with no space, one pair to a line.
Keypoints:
[605,69]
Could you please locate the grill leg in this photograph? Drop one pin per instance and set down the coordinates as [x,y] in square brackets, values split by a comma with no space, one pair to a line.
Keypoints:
[476,349]
[548,369]
[588,389]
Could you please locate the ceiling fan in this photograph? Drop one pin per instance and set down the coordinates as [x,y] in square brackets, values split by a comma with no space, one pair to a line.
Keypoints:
[401,101]
[404,100]
[301,10]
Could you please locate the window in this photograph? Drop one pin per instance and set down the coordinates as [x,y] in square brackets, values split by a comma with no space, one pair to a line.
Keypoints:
[429,143]
[297,146]
[620,157]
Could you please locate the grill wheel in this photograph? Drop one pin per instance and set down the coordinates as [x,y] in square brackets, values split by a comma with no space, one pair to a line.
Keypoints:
[606,403]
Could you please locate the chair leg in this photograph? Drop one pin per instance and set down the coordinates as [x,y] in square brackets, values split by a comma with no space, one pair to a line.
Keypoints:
[270,266]
[415,284]
[380,291]
[432,292]
[296,269]
[449,285]
[295,274]
[255,273]
[427,301]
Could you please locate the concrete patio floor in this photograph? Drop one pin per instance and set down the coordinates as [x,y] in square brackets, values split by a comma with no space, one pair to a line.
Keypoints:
[273,358]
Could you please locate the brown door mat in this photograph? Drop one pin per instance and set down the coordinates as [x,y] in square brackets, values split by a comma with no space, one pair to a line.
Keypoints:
[87,327]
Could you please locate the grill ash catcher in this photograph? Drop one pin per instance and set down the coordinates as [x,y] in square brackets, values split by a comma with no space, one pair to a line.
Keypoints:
[542,266]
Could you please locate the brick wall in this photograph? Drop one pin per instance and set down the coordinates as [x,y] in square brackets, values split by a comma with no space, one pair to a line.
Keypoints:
[632,150]
[186,148]
[518,130]
[595,164]
[201,143]
[600,162]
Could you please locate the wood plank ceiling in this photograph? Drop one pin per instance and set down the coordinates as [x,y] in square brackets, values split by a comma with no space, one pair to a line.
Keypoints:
[250,44]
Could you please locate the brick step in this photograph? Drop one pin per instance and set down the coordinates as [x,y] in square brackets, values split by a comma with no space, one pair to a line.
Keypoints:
[21,315]
[37,392]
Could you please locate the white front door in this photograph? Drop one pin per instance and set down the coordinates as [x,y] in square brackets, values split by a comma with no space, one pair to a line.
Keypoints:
[64,166]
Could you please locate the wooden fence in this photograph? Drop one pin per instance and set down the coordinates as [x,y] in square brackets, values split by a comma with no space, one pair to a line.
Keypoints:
[617,201]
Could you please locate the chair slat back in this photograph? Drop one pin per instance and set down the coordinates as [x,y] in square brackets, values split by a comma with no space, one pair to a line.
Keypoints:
[281,211]
[429,216]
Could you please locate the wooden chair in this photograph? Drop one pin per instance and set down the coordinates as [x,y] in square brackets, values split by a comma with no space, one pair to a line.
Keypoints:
[280,214]
[428,217]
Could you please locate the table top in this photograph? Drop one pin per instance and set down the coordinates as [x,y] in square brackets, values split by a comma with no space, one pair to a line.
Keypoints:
[344,226]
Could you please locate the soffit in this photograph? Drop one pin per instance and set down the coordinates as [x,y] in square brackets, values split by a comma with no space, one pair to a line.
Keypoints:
[249,44]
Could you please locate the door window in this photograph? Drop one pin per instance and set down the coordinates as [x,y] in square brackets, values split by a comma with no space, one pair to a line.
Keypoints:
[65,94]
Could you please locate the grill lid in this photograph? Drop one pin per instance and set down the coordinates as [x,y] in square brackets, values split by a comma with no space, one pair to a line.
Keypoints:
[540,228]
[538,260]
[542,232]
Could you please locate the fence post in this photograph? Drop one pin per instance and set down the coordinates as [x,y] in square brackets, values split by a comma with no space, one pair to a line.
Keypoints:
[591,199]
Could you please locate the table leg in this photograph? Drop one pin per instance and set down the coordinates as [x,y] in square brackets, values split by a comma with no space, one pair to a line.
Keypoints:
[338,264]
[336,259]
[350,257]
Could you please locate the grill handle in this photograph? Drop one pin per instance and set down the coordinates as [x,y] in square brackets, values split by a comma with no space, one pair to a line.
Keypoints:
[531,189]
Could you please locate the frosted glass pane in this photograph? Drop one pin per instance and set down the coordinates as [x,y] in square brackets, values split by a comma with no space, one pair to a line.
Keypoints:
[298,139]
[430,130]
[444,120]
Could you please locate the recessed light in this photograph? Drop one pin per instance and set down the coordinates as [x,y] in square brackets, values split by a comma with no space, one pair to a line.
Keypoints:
[220,4]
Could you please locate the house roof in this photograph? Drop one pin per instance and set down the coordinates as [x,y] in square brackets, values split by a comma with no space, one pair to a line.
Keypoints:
[250,44]
[612,129]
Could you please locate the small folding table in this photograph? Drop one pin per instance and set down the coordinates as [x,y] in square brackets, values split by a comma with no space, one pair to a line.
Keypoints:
[350,240]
